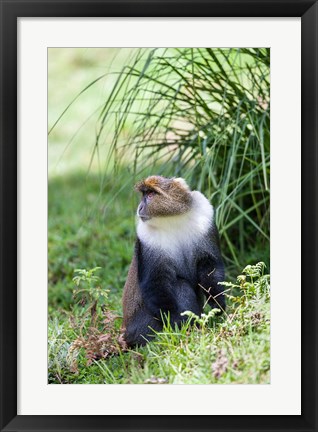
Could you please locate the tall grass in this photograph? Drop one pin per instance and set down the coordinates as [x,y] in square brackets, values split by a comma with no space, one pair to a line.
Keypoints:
[203,114]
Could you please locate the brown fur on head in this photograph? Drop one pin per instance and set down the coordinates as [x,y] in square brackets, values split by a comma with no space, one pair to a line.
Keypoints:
[163,196]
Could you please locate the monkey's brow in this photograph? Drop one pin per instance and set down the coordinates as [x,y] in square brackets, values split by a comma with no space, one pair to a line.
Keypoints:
[145,189]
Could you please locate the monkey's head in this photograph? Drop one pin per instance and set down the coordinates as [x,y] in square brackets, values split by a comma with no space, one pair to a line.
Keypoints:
[163,196]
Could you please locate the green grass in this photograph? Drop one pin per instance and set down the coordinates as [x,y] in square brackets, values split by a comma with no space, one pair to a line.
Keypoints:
[86,230]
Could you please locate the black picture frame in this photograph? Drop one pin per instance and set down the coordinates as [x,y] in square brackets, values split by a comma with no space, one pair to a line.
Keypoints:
[11,10]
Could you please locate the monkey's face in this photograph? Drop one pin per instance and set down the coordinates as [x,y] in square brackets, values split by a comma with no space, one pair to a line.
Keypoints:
[162,197]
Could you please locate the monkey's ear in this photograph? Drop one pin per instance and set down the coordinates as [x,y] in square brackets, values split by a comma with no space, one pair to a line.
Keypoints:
[181,182]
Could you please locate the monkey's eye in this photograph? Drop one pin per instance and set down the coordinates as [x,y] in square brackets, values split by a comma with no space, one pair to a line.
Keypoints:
[150,195]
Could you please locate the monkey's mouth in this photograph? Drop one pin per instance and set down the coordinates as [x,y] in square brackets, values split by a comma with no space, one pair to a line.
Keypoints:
[144,218]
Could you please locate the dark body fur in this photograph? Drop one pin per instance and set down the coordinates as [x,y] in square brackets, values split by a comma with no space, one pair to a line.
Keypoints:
[160,284]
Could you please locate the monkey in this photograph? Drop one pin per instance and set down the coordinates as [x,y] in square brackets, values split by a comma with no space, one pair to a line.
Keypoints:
[177,260]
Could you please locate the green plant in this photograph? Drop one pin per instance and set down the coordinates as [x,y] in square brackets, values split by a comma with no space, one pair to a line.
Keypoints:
[87,293]
[98,334]
[253,283]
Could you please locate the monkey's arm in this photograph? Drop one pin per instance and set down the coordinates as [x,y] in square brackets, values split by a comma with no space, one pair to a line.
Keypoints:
[210,271]
[158,283]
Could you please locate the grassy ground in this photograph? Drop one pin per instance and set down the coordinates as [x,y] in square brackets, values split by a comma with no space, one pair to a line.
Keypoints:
[87,229]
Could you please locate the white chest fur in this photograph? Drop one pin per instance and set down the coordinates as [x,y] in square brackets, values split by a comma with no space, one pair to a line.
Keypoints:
[176,233]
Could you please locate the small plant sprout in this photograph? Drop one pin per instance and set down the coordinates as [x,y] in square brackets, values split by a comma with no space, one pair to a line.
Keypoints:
[86,275]
[88,294]
[252,282]
[202,320]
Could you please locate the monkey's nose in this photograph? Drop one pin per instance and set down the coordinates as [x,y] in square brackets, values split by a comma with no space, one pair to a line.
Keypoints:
[142,213]
[140,209]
